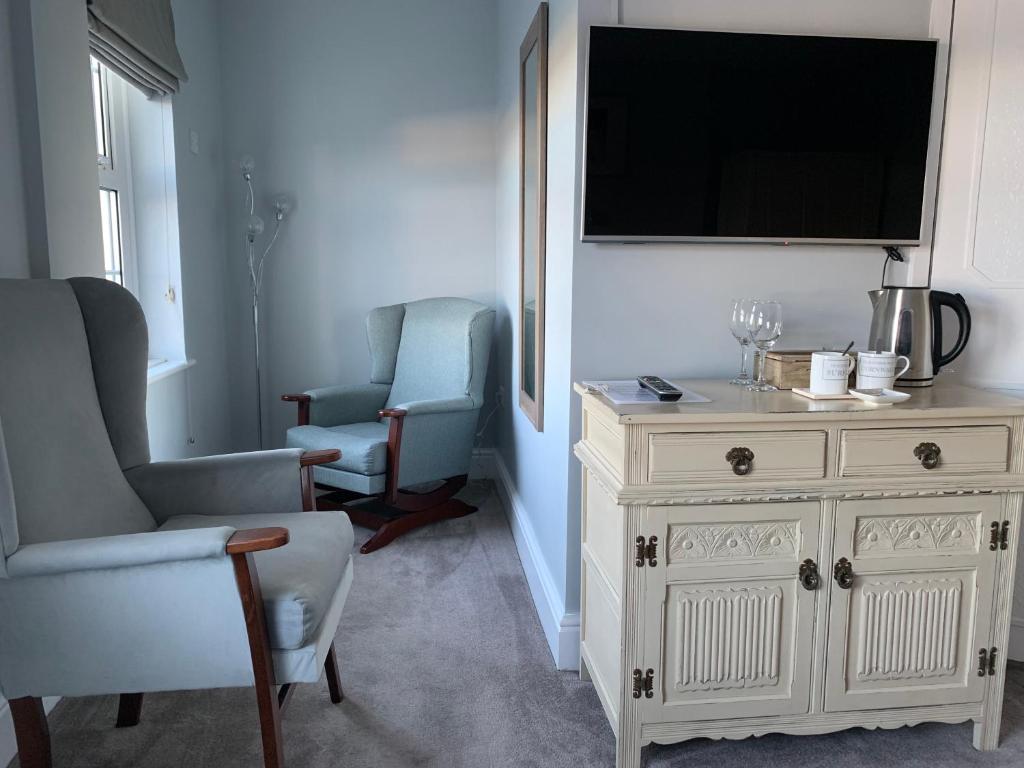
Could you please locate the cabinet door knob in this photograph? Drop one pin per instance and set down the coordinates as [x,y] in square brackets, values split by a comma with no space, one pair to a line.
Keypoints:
[843,573]
[928,455]
[809,578]
[742,460]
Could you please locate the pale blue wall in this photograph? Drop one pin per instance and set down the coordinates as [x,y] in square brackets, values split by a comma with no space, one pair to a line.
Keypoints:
[377,117]
[202,229]
[539,463]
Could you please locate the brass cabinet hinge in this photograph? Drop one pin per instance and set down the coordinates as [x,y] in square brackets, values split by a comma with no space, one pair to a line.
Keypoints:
[987,661]
[646,551]
[643,684]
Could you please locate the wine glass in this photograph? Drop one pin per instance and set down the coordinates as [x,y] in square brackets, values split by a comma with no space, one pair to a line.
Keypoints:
[764,326]
[738,326]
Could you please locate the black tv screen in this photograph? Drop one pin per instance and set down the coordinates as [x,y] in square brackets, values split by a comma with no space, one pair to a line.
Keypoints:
[747,137]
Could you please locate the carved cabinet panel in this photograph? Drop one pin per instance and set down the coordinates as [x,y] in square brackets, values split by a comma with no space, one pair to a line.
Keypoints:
[734,621]
[909,628]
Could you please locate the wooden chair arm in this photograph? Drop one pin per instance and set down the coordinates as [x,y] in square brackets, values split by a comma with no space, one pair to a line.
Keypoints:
[307,461]
[312,458]
[256,540]
[303,402]
[394,451]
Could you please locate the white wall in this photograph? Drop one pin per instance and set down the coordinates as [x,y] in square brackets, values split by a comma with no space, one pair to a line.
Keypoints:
[377,117]
[979,242]
[536,466]
[14,253]
[55,116]
[201,235]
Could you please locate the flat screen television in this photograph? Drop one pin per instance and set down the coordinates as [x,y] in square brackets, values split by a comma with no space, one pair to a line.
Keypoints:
[723,136]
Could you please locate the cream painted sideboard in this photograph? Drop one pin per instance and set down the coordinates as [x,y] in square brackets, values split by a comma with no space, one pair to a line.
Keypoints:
[766,563]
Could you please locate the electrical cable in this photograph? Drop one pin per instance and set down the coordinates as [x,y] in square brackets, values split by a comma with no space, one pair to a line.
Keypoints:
[892,253]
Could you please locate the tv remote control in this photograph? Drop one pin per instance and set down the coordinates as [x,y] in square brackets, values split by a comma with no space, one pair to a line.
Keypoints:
[665,391]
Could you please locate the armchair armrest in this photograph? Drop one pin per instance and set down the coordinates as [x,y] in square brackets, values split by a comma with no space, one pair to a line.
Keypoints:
[236,483]
[303,400]
[314,458]
[344,404]
[124,551]
[256,540]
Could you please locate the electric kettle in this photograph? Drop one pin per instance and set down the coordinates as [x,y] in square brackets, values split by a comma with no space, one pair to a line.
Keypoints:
[908,321]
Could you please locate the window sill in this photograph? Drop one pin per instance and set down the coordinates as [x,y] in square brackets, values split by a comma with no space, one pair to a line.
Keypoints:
[167,368]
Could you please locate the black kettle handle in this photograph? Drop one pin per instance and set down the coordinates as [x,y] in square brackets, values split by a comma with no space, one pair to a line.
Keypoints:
[954,301]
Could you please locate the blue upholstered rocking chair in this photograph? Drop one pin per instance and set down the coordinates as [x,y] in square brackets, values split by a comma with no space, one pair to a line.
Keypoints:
[413,424]
[121,576]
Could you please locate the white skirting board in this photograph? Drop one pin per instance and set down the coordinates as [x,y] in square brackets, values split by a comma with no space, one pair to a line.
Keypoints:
[8,746]
[561,629]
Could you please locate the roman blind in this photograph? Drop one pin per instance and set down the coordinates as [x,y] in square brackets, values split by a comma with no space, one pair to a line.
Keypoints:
[135,38]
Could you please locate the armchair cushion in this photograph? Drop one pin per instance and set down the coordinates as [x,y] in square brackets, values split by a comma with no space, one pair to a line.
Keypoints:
[331,406]
[298,580]
[363,446]
[235,483]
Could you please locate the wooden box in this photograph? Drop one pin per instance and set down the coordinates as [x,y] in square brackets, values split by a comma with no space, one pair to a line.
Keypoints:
[789,368]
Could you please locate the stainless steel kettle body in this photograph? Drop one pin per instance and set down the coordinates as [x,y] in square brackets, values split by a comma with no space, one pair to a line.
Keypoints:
[908,321]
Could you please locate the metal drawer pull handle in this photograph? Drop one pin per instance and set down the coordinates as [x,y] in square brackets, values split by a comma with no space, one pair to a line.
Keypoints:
[742,460]
[928,455]
[843,573]
[809,578]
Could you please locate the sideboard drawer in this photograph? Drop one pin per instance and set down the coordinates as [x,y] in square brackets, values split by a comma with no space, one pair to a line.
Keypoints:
[706,457]
[901,452]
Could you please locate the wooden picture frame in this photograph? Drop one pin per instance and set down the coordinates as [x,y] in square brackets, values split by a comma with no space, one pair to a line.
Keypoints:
[533,130]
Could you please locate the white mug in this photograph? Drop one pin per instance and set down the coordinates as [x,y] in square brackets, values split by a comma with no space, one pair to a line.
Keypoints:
[877,370]
[830,372]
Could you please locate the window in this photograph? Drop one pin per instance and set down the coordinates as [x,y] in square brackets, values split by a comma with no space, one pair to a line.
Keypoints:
[113,158]
[137,191]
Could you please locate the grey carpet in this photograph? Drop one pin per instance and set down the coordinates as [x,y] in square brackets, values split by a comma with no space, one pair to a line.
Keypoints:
[444,665]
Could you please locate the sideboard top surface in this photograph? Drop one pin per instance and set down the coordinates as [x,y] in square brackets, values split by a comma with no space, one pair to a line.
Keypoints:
[733,403]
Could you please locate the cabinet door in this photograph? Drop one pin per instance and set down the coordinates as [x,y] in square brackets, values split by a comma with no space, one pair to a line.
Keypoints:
[905,633]
[729,629]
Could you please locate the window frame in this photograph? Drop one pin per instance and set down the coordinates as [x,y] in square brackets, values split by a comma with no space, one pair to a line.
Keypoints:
[114,170]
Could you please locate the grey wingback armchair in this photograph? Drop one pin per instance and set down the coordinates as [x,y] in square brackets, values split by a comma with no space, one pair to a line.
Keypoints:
[121,576]
[412,425]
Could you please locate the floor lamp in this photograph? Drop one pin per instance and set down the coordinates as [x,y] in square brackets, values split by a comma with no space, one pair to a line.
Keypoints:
[254,228]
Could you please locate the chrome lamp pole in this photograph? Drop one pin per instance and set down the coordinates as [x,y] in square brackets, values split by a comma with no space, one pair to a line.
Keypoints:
[254,229]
